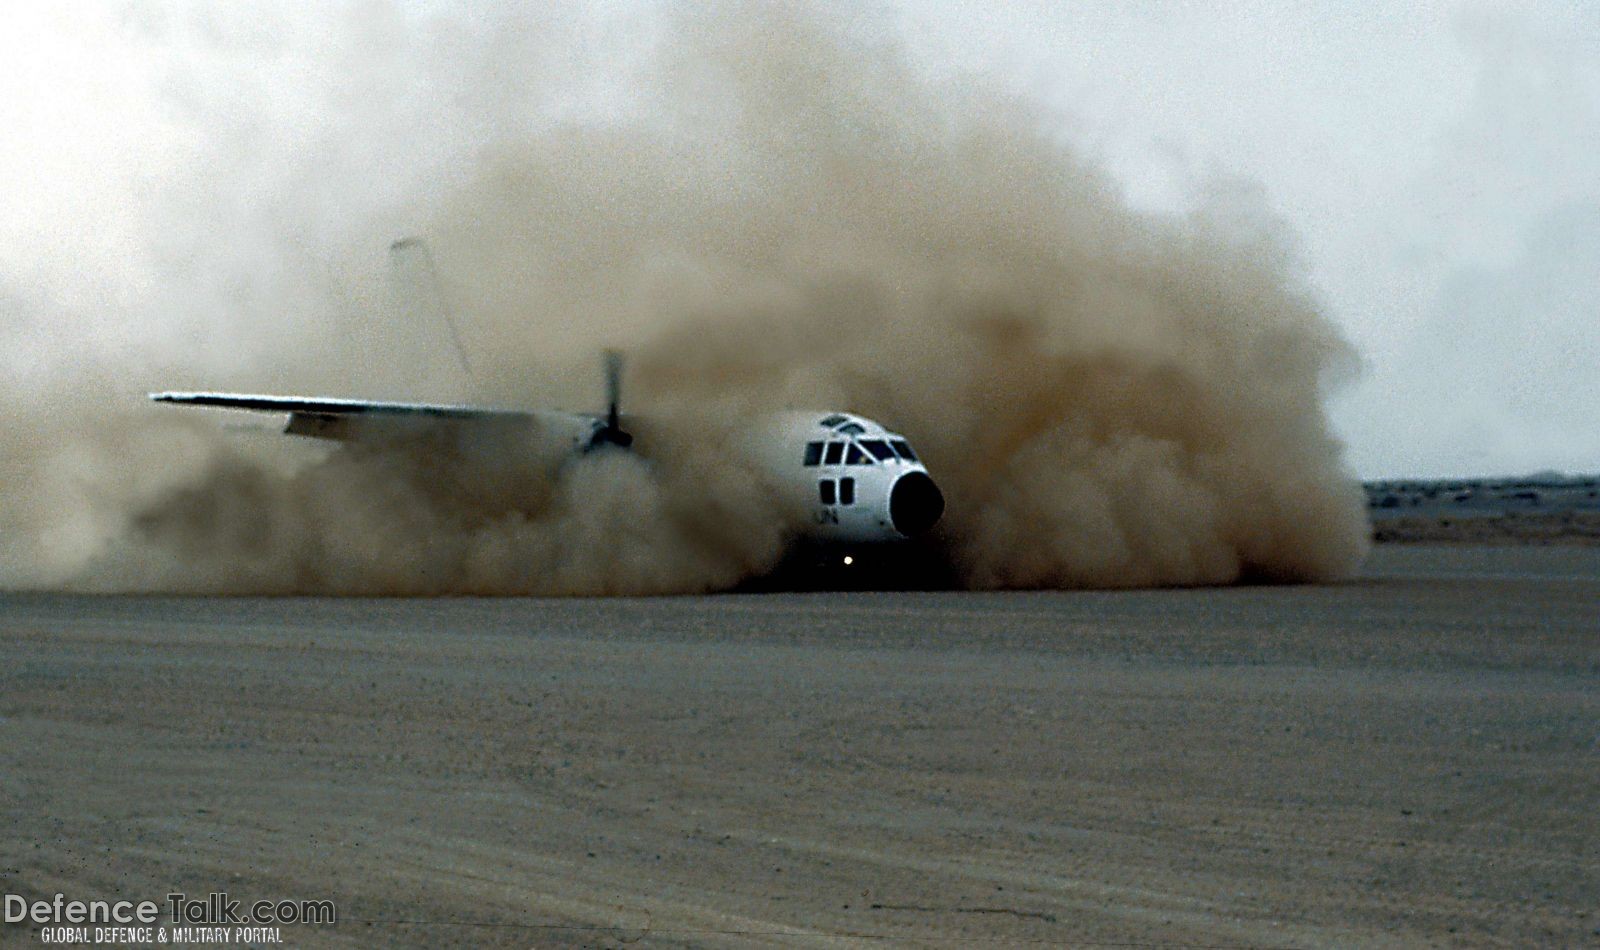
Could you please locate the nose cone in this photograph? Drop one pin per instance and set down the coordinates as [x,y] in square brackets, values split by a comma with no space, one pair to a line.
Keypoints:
[915,504]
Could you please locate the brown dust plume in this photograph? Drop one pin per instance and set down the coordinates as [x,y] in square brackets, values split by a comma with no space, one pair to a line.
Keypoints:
[771,207]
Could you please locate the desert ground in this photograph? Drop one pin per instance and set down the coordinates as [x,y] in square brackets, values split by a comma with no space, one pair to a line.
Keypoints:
[1408,758]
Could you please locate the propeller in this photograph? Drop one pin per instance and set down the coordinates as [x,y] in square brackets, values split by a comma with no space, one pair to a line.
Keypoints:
[611,433]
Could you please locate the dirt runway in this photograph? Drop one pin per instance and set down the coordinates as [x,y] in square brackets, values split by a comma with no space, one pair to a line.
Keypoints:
[1409,758]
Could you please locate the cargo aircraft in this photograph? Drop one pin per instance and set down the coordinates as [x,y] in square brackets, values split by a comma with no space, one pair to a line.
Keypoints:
[860,486]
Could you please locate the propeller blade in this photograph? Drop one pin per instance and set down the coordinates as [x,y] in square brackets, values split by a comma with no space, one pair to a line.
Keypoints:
[611,433]
[613,388]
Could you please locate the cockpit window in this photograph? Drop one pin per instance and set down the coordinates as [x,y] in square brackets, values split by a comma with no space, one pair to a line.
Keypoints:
[856,456]
[833,420]
[851,428]
[879,448]
[825,491]
[902,448]
[813,453]
[835,453]
[847,491]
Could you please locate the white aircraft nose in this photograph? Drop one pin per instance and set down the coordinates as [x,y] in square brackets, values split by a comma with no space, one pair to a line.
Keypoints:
[915,504]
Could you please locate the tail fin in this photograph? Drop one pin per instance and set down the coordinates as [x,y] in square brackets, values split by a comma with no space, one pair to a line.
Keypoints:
[414,266]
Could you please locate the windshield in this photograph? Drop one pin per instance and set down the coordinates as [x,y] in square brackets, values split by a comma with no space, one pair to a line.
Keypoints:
[879,449]
[902,448]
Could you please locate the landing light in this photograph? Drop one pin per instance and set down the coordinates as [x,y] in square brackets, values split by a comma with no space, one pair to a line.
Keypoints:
[848,560]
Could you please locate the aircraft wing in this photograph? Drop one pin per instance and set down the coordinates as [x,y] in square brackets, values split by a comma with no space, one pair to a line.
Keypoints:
[338,407]
[361,419]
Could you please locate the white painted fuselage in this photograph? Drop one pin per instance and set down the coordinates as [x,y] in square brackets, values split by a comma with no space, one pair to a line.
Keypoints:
[858,482]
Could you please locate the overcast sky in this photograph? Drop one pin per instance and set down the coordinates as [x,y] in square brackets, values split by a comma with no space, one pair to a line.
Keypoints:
[1439,162]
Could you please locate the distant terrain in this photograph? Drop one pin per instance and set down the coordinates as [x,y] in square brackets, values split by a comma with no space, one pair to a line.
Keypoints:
[1548,508]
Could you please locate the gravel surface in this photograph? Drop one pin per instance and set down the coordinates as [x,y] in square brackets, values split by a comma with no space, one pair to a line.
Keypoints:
[1410,758]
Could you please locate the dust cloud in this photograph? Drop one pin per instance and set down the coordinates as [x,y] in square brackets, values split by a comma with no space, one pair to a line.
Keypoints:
[767,207]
